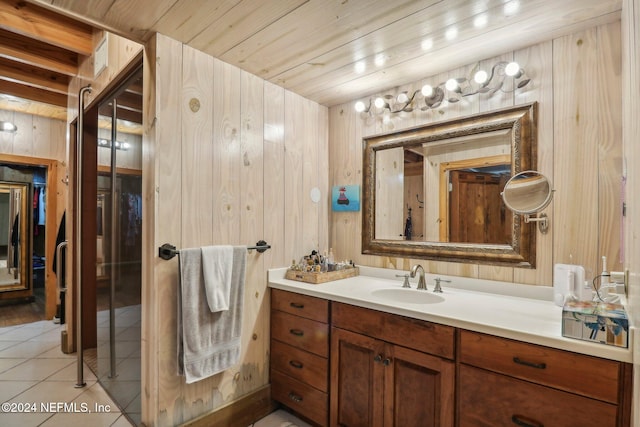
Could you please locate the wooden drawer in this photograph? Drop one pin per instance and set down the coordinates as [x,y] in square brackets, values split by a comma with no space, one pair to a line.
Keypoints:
[300,397]
[586,375]
[301,365]
[300,305]
[303,333]
[490,399]
[412,333]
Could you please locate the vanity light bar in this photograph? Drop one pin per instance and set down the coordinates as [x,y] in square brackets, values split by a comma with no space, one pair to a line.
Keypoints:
[452,90]
[105,143]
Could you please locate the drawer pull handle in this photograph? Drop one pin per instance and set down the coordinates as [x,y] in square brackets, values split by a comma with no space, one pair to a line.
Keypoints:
[296,364]
[386,362]
[378,358]
[530,364]
[296,332]
[296,305]
[296,398]
[520,421]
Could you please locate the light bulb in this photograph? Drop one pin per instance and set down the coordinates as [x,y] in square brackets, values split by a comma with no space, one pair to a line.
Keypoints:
[379,103]
[451,84]
[360,106]
[480,77]
[8,126]
[512,69]
[451,33]
[427,90]
[402,97]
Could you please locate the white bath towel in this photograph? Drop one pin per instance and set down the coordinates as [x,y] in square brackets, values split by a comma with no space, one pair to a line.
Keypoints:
[216,267]
[208,343]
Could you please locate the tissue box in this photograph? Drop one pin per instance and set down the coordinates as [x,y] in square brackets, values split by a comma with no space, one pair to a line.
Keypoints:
[596,322]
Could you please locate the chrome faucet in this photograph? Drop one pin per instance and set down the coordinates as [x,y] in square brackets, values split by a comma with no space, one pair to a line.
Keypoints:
[405,284]
[438,280]
[422,284]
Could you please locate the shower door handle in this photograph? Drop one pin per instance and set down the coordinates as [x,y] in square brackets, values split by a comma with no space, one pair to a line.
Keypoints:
[61,286]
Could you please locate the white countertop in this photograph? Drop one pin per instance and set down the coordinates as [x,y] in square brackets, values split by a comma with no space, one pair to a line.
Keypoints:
[521,312]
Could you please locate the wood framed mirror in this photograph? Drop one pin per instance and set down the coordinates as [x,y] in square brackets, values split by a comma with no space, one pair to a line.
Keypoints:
[434,191]
[15,238]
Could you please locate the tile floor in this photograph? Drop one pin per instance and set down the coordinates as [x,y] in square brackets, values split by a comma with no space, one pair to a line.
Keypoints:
[33,370]
[280,418]
[125,386]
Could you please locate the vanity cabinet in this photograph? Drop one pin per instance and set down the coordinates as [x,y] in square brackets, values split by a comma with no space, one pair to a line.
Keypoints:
[300,354]
[377,380]
[506,382]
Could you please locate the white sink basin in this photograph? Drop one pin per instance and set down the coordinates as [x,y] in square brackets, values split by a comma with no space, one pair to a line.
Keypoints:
[408,296]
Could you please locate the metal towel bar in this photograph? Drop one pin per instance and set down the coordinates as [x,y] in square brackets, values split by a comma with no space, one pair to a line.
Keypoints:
[168,251]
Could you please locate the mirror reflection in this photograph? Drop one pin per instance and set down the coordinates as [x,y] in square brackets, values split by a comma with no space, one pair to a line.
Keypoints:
[527,192]
[13,235]
[467,176]
[434,191]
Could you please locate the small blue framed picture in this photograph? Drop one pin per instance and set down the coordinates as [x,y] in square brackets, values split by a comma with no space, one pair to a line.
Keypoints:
[345,198]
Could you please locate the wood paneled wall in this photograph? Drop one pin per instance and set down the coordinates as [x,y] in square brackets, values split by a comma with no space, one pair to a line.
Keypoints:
[631,151]
[228,159]
[577,82]
[36,137]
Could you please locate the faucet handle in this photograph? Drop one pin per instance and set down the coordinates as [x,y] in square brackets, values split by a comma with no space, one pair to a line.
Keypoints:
[406,283]
[438,288]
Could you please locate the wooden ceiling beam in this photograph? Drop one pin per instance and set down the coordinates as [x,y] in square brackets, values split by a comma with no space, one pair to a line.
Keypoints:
[33,76]
[33,93]
[46,26]
[33,52]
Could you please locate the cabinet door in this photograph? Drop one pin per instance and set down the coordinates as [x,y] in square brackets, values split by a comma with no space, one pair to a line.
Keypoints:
[356,380]
[419,389]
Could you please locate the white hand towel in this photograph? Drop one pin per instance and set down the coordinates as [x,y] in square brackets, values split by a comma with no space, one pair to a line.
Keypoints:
[217,262]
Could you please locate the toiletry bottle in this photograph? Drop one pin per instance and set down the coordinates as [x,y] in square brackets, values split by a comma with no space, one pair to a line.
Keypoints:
[331,259]
[587,291]
[604,280]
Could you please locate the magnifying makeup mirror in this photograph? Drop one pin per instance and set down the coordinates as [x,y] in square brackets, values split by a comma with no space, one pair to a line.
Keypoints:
[528,193]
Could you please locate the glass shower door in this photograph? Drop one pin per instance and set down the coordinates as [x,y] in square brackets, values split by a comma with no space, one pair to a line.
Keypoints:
[119,243]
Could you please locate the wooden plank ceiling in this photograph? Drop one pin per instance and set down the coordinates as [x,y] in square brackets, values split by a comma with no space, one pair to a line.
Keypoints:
[39,52]
[330,51]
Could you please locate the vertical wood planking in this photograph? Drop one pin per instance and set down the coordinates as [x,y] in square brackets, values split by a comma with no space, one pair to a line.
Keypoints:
[308,138]
[322,182]
[274,184]
[609,135]
[576,149]
[166,173]
[255,333]
[226,155]
[251,122]
[344,160]
[293,176]
[197,155]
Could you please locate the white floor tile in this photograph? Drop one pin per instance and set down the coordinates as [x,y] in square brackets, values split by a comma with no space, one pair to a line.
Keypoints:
[34,370]
[280,418]
[27,349]
[6,364]
[10,389]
